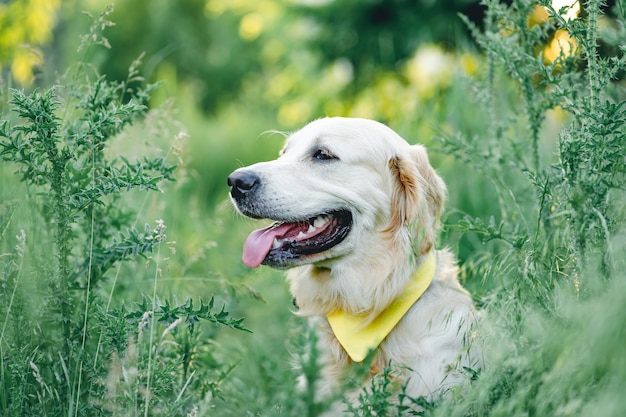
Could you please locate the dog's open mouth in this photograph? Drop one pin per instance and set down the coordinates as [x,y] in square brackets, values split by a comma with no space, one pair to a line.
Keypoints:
[282,243]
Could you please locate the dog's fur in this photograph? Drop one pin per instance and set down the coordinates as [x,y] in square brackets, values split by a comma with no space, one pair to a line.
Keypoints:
[395,198]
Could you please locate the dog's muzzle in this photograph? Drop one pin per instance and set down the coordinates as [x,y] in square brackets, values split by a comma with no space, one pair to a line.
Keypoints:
[287,242]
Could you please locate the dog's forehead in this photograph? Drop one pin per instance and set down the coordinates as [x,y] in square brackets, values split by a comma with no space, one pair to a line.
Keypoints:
[355,135]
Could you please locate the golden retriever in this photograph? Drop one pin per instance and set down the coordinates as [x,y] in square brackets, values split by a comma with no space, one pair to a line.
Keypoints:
[356,212]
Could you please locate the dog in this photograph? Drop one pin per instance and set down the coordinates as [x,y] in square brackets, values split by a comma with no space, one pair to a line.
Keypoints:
[356,212]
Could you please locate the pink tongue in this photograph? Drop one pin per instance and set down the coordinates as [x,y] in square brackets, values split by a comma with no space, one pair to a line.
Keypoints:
[259,243]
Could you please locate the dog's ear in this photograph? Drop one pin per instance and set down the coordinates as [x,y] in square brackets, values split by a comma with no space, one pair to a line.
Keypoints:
[417,197]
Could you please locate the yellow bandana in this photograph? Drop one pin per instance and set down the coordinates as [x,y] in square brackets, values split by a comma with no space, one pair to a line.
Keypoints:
[357,338]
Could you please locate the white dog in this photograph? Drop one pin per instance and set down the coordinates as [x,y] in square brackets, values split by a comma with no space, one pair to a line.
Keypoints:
[356,211]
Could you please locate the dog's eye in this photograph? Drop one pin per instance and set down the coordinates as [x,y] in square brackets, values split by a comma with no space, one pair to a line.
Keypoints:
[322,154]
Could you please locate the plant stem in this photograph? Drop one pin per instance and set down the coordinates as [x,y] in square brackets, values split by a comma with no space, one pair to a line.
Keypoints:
[157,271]
[62,238]
[591,49]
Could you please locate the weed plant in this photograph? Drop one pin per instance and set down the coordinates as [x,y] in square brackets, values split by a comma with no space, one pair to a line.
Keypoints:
[63,349]
[573,191]
[552,327]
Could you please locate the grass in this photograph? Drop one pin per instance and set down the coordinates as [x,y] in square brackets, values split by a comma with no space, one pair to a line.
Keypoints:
[108,310]
[59,142]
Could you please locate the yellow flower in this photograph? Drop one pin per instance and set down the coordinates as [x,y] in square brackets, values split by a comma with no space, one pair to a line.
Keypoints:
[251,26]
[562,44]
[538,16]
[430,69]
[24,25]
[469,63]
[214,7]
[24,61]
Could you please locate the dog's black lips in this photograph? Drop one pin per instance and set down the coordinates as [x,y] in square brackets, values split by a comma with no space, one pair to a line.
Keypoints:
[291,250]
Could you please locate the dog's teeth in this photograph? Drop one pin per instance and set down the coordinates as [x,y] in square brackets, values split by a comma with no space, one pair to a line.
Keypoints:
[311,229]
[275,244]
[320,221]
[300,235]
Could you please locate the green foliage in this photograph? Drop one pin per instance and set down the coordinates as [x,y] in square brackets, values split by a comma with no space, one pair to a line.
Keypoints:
[548,326]
[168,314]
[575,208]
[178,49]
[52,361]
[384,397]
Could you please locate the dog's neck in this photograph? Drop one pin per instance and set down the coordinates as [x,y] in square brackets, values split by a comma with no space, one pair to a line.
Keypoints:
[364,290]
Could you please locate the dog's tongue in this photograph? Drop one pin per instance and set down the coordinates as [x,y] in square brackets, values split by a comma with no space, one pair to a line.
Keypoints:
[259,243]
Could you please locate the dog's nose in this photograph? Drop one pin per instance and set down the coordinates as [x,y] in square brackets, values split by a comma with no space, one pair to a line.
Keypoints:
[242,182]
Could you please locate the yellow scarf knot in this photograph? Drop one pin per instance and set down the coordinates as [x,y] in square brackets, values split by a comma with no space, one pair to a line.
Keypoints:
[358,337]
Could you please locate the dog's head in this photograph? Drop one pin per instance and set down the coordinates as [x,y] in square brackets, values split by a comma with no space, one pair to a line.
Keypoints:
[341,189]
